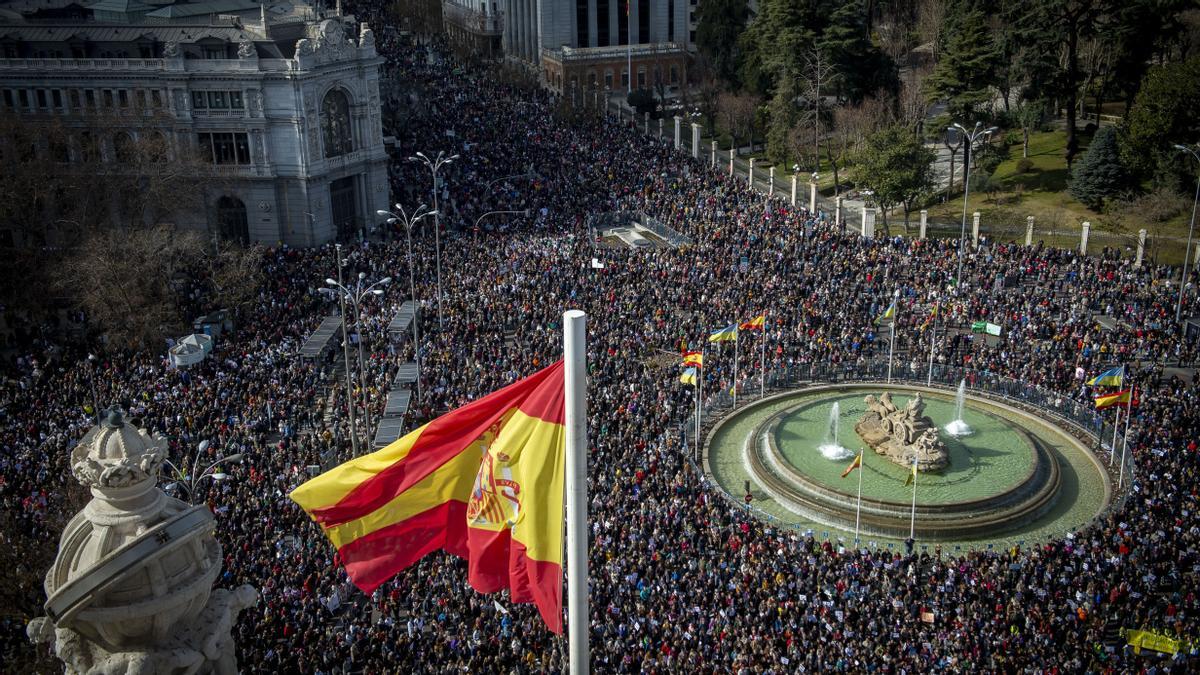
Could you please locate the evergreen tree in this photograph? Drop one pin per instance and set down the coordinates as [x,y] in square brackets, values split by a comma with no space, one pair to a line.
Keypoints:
[861,69]
[1099,175]
[967,69]
[1163,113]
[782,117]
[718,25]
[898,167]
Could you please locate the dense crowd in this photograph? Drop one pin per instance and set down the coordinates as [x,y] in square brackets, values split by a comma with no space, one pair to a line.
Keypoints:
[681,580]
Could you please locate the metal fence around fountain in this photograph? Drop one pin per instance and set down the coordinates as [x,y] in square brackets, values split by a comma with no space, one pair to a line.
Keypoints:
[1079,417]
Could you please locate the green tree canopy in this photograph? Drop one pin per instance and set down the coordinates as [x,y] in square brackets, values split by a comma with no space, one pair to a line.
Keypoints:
[1163,114]
[968,67]
[897,166]
[718,25]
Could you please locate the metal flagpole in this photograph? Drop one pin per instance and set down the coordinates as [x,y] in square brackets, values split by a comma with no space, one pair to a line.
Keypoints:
[912,522]
[858,510]
[895,317]
[1112,454]
[932,342]
[762,363]
[575,373]
[699,399]
[1125,439]
[735,364]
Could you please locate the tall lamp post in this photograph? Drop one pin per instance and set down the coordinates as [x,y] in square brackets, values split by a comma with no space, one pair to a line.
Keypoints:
[524,212]
[410,221]
[355,295]
[345,351]
[95,399]
[190,480]
[969,137]
[435,165]
[1183,281]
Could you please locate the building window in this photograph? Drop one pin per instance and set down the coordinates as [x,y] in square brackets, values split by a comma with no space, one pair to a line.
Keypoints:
[602,23]
[335,123]
[623,22]
[108,98]
[56,96]
[199,100]
[581,23]
[670,20]
[608,79]
[156,98]
[89,95]
[73,96]
[217,100]
[644,22]
[23,96]
[41,98]
[235,100]
[123,147]
[89,150]
[8,99]
[123,98]
[232,223]
[224,148]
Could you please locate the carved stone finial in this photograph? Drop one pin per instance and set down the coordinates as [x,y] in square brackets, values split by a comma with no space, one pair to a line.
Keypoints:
[114,454]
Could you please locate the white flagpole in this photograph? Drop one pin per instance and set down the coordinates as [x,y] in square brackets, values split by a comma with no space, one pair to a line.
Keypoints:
[1125,440]
[699,399]
[932,342]
[575,372]
[762,363]
[735,364]
[858,510]
[895,318]
[912,522]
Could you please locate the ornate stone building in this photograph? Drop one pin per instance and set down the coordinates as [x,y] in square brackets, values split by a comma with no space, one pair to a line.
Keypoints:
[282,100]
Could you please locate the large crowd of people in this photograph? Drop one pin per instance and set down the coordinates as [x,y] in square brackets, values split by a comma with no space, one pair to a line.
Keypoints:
[681,579]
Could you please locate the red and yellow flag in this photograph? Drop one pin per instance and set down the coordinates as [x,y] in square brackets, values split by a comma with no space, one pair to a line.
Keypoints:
[484,482]
[693,359]
[754,324]
[853,465]
[1123,397]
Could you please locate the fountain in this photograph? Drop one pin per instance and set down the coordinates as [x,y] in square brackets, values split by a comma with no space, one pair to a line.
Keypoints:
[958,427]
[830,448]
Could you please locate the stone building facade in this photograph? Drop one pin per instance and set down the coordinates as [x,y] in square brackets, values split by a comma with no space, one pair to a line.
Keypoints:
[284,101]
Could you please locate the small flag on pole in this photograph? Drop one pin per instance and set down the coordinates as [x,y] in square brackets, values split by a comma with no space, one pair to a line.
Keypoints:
[693,359]
[853,465]
[985,327]
[688,377]
[1121,398]
[1113,377]
[888,314]
[912,474]
[726,334]
[754,324]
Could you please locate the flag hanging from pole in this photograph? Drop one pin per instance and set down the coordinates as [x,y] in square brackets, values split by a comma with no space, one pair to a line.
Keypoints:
[1113,377]
[912,475]
[693,359]
[726,334]
[888,314]
[1120,398]
[484,482]
[853,465]
[688,377]
[754,324]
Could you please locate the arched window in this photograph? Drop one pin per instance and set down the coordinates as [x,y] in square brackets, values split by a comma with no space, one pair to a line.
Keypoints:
[123,147]
[335,124]
[231,220]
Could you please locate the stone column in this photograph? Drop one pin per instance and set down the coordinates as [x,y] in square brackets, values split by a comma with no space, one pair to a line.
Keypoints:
[975,228]
[771,181]
[868,223]
[750,175]
[1029,231]
[812,198]
[731,151]
[678,132]
[1083,237]
[695,141]
[795,182]
[924,220]
[661,124]
[646,124]
[1141,250]
[837,213]
[714,154]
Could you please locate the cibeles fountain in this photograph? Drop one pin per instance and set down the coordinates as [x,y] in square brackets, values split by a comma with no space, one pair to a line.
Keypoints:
[131,588]
[1001,471]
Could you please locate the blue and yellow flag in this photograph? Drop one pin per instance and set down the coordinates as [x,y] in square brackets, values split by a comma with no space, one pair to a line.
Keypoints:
[1113,377]
[688,377]
[726,334]
[912,475]
[888,314]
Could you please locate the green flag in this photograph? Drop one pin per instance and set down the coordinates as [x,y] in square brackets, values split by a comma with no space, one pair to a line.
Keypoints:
[985,327]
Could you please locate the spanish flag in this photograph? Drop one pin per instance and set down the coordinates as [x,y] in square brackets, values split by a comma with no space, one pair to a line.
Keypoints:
[928,320]
[754,324]
[1113,377]
[888,314]
[688,377]
[1123,397]
[693,359]
[484,482]
[726,334]
[853,465]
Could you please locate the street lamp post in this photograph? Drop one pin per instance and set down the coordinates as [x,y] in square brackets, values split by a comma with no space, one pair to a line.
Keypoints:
[409,221]
[345,352]
[190,481]
[1184,279]
[524,212]
[355,295]
[95,399]
[969,138]
[434,166]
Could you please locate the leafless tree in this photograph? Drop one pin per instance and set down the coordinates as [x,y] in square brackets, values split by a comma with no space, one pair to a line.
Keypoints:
[739,111]
[931,18]
[816,74]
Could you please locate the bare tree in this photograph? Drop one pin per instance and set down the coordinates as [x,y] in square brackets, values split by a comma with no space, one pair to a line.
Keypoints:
[931,18]
[817,73]
[738,111]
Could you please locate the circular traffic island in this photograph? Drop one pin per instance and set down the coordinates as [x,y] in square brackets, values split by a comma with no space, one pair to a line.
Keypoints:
[1003,474]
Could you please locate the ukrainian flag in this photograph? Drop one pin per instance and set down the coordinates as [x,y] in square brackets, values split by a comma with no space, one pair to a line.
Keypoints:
[688,377]
[888,314]
[1113,377]
[726,334]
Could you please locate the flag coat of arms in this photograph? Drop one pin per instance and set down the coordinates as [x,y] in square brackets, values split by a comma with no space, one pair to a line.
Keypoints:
[483,482]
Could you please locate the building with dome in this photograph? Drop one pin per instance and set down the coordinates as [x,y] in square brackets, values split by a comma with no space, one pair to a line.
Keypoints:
[278,101]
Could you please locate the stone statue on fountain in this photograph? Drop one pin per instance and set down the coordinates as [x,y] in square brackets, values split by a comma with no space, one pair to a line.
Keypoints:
[900,433]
